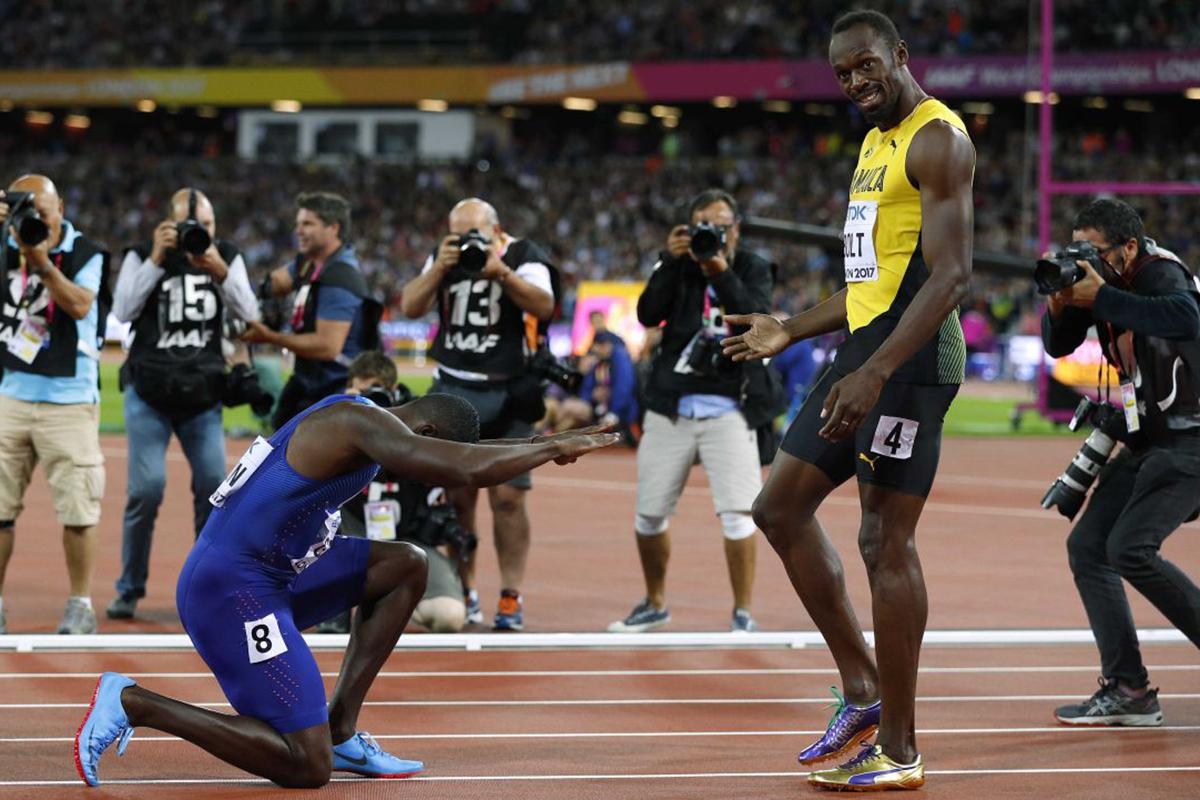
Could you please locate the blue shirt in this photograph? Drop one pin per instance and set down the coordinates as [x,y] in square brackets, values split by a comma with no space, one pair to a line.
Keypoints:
[336,304]
[706,406]
[83,386]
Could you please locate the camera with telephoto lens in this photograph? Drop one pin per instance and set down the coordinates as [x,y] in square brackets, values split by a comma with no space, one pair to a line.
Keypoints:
[24,218]
[707,240]
[438,525]
[273,310]
[473,251]
[1059,271]
[544,366]
[707,359]
[242,388]
[1070,489]
[192,237]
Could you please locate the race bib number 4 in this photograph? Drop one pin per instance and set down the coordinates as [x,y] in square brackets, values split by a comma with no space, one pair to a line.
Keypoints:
[263,639]
[858,239]
[241,472]
[894,437]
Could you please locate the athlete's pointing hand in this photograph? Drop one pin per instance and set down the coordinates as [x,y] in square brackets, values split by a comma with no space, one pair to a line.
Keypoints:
[765,338]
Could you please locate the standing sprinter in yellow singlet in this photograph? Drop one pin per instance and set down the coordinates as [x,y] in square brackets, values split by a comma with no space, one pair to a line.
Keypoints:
[877,412]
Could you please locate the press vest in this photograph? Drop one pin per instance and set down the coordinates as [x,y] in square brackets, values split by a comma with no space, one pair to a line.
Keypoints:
[480,329]
[22,294]
[884,264]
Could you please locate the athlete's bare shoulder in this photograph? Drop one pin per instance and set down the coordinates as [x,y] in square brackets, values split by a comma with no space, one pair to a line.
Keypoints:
[940,156]
[329,441]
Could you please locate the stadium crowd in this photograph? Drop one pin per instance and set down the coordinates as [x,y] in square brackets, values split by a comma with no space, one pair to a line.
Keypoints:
[601,215]
[78,34]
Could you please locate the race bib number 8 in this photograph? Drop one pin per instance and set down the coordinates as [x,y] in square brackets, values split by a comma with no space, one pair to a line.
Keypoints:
[858,239]
[253,458]
[263,639]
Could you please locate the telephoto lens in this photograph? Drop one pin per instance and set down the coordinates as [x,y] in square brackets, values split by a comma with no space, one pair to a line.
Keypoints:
[1070,489]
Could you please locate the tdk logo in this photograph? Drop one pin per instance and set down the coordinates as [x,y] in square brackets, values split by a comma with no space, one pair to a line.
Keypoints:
[858,213]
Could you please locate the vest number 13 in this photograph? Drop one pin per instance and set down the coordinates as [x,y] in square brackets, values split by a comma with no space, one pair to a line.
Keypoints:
[476,303]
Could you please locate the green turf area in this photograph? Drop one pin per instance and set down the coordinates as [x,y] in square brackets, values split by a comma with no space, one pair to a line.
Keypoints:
[988,416]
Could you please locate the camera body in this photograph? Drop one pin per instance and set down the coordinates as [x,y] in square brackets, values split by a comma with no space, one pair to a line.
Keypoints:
[473,251]
[387,398]
[191,236]
[242,387]
[708,240]
[1060,271]
[707,360]
[24,218]
[1070,489]
[544,366]
[437,524]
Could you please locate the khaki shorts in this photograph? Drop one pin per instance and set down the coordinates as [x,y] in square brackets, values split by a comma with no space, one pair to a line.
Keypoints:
[66,439]
[724,445]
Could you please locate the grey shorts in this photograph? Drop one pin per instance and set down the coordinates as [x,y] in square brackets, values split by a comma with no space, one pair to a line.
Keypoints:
[726,447]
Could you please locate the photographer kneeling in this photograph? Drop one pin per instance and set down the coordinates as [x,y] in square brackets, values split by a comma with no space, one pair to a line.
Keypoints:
[699,403]
[1144,303]
[391,510]
[174,291]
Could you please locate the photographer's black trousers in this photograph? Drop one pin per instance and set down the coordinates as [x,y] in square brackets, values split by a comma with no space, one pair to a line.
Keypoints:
[1141,498]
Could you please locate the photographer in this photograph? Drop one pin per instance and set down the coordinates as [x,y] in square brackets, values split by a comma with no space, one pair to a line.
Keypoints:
[390,510]
[333,316]
[1143,302]
[699,403]
[174,291]
[486,285]
[53,299]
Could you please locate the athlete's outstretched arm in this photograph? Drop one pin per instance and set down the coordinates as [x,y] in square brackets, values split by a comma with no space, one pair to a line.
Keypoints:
[385,440]
[941,164]
[768,336]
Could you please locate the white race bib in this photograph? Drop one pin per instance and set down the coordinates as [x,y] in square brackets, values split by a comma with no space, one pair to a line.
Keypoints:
[894,437]
[251,460]
[858,238]
[263,639]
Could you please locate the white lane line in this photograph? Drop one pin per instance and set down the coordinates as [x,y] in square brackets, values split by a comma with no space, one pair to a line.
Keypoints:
[649,776]
[647,701]
[619,673]
[670,734]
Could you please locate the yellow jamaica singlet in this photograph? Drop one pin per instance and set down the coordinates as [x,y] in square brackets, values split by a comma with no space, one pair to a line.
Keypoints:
[883,259]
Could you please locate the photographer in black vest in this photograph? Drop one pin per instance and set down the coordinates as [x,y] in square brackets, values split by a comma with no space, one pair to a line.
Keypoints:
[174,291]
[492,291]
[333,316]
[1145,305]
[699,404]
[53,300]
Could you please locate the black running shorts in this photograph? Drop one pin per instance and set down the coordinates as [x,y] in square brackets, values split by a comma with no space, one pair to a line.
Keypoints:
[896,446]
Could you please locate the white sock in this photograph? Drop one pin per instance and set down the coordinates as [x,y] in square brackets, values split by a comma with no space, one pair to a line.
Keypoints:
[86,601]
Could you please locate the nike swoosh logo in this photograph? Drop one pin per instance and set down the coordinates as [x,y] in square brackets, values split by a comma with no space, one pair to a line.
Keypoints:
[358,762]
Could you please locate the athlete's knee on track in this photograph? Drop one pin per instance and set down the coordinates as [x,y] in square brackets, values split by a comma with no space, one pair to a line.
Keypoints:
[310,765]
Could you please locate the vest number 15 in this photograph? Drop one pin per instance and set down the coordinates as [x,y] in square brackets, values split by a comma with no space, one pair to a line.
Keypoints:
[189,297]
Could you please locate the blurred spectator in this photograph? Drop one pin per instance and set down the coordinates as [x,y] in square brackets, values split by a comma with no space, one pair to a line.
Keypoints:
[796,366]
[608,393]
[174,377]
[54,293]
